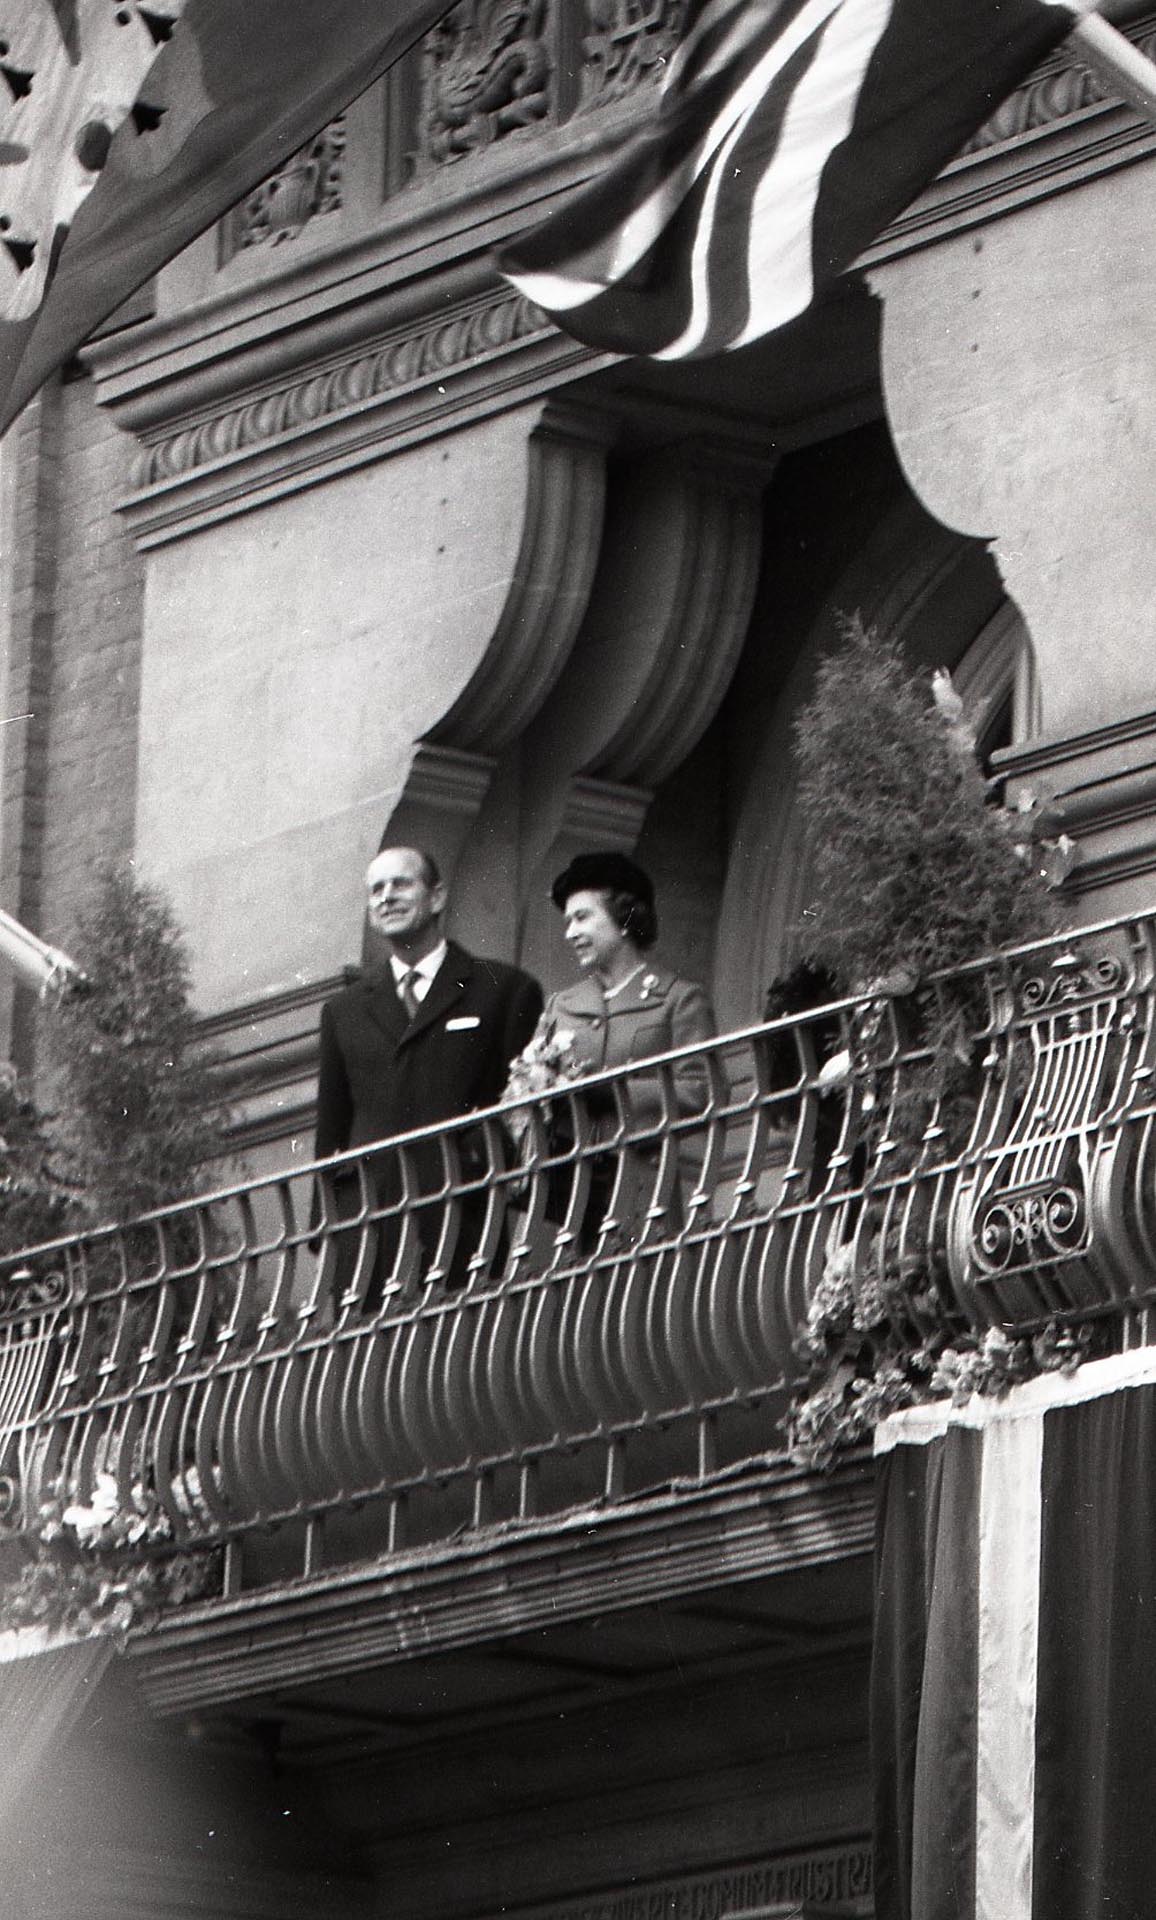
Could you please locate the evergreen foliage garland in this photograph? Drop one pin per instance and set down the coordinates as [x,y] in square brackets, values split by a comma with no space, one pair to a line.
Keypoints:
[36,1201]
[140,1116]
[914,870]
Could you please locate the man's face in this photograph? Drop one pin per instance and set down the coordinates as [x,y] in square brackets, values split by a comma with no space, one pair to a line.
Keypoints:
[402,904]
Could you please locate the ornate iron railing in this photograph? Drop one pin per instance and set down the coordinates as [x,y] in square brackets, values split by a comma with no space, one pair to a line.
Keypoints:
[574,1297]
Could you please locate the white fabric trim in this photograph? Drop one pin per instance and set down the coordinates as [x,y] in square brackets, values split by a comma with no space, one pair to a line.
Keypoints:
[917,1426]
[817,119]
[1008,1643]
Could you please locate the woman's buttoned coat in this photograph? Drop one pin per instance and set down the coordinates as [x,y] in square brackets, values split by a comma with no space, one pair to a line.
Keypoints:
[652,1014]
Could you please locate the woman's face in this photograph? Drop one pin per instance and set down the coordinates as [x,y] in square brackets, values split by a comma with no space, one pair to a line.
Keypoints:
[592,934]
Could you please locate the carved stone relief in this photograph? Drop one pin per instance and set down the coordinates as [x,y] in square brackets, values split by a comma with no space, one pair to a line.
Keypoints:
[308,185]
[628,42]
[407,360]
[1057,92]
[487,71]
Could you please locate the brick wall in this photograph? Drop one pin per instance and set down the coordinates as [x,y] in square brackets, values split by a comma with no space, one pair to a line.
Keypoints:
[72,680]
[90,789]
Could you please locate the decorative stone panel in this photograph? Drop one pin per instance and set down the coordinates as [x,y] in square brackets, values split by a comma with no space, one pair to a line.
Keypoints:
[309,184]
[627,44]
[1055,92]
[487,70]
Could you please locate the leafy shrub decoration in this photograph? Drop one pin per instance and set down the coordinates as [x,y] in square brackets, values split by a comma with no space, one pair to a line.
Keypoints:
[140,1117]
[138,1126]
[915,873]
[914,870]
[103,1567]
[37,1202]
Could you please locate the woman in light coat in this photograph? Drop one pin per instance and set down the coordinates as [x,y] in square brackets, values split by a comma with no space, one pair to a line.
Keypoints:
[625,1007]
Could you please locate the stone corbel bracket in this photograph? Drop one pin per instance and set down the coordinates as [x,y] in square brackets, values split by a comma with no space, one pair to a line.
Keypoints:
[667,618]
[550,588]
[678,592]
[548,592]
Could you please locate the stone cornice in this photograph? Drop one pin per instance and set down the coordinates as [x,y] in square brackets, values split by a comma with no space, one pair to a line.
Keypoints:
[266,1063]
[348,356]
[402,360]
[1054,132]
[770,1518]
[1103,782]
[484,356]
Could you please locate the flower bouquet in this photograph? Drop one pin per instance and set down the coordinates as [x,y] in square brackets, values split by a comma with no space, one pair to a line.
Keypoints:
[547,1063]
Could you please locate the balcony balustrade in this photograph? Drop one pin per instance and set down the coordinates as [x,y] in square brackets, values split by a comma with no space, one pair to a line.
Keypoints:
[552,1303]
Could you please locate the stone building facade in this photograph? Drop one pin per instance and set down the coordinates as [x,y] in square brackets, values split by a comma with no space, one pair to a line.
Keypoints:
[332,535]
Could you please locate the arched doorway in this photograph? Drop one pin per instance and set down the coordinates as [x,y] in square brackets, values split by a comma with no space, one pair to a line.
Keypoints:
[938,595]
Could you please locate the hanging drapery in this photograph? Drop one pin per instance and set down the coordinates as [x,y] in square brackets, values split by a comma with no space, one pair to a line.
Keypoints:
[1014,1685]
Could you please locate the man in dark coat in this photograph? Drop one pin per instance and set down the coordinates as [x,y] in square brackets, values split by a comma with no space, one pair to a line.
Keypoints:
[425,1038]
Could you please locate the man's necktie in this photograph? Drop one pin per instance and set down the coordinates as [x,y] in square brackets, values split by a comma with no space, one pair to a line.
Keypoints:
[406,994]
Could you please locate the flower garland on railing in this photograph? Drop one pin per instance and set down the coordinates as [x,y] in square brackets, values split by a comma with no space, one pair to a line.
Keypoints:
[861,1367]
[102,1567]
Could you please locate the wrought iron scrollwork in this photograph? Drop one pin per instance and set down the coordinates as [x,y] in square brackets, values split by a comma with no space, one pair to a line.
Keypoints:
[25,1292]
[1074,979]
[1044,1222]
[447,1311]
[11,1504]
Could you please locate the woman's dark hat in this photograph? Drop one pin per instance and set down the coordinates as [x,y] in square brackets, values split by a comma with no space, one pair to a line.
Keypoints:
[615,871]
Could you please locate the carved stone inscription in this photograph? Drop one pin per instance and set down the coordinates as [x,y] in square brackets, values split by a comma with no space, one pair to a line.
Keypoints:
[839,1877]
[487,72]
[628,42]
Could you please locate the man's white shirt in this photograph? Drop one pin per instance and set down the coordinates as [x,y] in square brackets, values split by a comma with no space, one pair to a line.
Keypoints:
[424,971]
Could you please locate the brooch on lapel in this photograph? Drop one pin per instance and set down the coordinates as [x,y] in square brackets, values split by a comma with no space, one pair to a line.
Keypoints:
[649,983]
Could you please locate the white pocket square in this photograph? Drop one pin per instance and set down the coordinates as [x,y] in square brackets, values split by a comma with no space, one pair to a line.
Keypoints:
[463,1021]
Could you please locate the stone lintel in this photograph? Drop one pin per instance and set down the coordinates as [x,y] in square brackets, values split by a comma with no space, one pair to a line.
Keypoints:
[772,1518]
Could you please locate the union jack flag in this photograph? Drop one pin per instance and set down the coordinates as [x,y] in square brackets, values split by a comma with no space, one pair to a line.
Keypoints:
[789,134]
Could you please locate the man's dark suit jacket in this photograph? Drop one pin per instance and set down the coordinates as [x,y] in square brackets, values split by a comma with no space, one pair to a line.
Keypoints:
[382,1074]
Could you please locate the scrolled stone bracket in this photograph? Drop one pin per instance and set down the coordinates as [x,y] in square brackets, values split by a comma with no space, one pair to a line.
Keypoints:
[550,588]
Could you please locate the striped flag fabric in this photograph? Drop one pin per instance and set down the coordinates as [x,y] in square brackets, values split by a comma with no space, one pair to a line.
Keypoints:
[788,134]
[1014,1678]
[127,128]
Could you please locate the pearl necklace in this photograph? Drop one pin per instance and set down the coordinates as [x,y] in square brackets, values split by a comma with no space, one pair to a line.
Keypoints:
[610,993]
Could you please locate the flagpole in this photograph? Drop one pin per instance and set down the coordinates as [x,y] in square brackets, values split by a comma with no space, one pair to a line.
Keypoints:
[1116,63]
[37,964]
